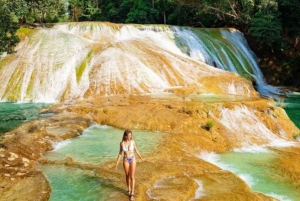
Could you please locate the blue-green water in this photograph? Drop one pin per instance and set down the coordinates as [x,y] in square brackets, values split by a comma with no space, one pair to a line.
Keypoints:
[14,114]
[292,107]
[258,171]
[101,143]
[256,168]
[69,183]
[97,144]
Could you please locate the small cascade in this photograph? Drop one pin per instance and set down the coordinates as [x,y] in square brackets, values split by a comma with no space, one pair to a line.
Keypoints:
[245,129]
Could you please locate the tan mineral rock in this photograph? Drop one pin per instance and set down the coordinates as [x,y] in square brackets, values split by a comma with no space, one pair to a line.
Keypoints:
[174,163]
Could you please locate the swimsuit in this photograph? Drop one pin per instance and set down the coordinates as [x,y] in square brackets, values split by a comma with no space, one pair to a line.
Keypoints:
[130,159]
[131,147]
[128,149]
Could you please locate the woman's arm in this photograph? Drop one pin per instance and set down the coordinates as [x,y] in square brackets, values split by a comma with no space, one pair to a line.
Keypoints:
[119,155]
[137,151]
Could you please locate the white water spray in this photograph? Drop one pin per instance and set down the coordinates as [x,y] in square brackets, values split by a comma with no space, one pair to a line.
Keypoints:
[244,129]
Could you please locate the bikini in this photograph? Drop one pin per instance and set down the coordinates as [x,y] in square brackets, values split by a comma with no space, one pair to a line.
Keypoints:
[130,149]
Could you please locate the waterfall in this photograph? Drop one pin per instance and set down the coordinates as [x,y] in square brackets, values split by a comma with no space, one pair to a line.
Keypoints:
[226,49]
[78,60]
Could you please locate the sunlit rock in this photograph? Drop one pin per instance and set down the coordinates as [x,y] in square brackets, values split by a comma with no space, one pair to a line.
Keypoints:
[81,60]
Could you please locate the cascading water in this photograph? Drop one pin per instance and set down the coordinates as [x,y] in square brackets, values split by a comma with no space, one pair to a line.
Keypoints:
[78,60]
[226,49]
[245,129]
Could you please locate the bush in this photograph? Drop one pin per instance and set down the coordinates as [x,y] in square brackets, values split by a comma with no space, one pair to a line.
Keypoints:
[209,124]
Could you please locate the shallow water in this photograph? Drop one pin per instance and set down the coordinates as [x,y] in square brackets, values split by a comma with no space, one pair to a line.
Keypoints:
[101,143]
[69,183]
[14,114]
[257,170]
[97,144]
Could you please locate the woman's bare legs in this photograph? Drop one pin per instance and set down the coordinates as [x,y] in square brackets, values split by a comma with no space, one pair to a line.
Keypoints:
[129,169]
[132,175]
[126,166]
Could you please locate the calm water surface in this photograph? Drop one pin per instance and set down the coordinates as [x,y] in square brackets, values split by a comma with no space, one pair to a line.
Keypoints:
[13,115]
[96,145]
[257,170]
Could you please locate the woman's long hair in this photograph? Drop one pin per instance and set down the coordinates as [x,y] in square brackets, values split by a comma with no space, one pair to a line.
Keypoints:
[126,132]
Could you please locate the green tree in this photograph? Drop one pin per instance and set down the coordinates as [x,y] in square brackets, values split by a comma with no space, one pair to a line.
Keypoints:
[45,11]
[8,29]
[266,29]
[140,12]
[225,12]
[127,11]
[182,15]
[91,10]
[19,10]
[259,19]
[76,8]
[119,10]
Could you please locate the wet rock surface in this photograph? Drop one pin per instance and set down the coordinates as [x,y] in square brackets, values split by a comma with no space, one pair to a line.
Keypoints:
[171,172]
[20,149]
[289,165]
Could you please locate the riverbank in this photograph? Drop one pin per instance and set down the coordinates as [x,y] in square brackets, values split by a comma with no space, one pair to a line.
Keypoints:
[174,166]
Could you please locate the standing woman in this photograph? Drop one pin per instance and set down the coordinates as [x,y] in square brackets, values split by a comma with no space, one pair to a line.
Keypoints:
[128,146]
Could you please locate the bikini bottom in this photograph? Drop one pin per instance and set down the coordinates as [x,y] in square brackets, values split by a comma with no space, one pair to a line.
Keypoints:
[129,160]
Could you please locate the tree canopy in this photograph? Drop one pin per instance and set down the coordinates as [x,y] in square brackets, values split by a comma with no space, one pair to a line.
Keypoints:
[264,20]
[8,28]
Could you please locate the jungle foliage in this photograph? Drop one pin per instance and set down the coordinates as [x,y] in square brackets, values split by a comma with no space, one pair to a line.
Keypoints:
[272,27]
[8,28]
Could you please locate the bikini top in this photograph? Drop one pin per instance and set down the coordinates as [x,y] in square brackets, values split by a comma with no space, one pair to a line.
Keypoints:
[125,148]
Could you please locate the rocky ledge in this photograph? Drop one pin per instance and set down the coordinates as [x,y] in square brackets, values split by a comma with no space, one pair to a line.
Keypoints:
[174,161]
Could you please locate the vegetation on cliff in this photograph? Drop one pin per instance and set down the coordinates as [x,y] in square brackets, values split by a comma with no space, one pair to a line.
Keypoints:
[8,28]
